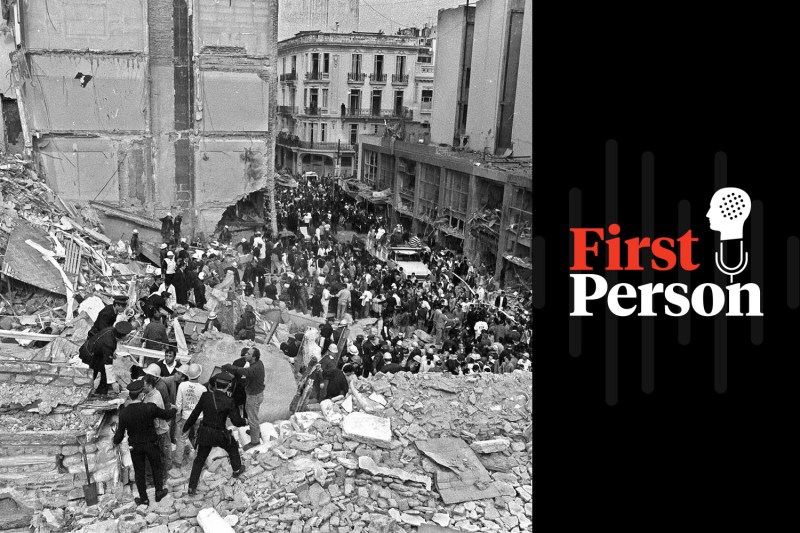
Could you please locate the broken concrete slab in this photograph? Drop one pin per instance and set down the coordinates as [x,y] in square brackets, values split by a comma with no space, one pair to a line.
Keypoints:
[460,476]
[366,462]
[369,429]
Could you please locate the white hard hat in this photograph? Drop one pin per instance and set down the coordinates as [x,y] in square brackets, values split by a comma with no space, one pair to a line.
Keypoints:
[153,369]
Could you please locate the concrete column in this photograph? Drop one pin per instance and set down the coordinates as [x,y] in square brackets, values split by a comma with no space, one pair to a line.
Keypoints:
[472,205]
[415,223]
[508,198]
[442,182]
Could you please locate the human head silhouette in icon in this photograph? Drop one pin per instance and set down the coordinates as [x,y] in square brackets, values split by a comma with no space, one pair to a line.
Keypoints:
[730,207]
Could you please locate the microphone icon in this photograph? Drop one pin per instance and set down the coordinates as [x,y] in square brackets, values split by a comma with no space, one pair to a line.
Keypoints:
[730,207]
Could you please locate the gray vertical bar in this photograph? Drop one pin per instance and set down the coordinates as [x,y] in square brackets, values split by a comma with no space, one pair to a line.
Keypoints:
[538,272]
[793,272]
[720,320]
[757,267]
[648,275]
[574,321]
[612,333]
[685,276]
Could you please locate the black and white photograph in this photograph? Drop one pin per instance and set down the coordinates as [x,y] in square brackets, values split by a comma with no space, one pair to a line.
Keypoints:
[267,266]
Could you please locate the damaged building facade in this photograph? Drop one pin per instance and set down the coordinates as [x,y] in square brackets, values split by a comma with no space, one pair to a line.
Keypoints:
[471,187]
[335,87]
[152,107]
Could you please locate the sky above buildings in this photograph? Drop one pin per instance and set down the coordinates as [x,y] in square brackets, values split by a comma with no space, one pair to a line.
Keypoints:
[388,15]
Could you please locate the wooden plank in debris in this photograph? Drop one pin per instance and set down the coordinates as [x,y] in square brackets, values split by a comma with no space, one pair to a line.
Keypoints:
[140,354]
[26,335]
[99,237]
[460,476]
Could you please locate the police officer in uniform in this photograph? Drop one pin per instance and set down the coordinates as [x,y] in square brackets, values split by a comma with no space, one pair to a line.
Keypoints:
[137,419]
[216,405]
[108,315]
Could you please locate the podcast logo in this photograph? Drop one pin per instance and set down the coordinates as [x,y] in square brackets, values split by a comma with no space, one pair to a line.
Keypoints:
[727,213]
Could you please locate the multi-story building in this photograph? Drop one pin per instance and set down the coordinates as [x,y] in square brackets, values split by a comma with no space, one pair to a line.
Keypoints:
[149,106]
[335,87]
[471,187]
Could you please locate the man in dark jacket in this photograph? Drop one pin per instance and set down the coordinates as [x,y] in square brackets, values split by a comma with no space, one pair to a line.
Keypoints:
[98,351]
[246,327]
[216,406]
[255,391]
[167,228]
[337,384]
[137,418]
[108,315]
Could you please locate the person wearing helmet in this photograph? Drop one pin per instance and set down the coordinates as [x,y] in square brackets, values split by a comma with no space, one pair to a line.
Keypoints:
[98,351]
[135,244]
[188,395]
[216,406]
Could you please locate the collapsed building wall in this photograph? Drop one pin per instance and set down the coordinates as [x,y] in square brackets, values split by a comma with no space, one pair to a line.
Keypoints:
[150,106]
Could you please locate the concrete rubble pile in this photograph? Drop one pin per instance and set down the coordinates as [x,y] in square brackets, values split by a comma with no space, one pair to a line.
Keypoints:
[355,466]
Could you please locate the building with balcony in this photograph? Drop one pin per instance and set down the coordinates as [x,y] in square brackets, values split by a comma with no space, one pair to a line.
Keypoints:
[336,87]
[477,200]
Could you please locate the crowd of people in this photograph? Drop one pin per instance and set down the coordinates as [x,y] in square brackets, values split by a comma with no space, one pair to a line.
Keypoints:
[457,320]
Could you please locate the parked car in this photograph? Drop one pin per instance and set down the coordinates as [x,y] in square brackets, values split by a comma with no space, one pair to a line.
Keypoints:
[410,259]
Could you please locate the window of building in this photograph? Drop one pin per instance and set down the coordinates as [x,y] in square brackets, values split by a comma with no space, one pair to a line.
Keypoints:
[283,96]
[312,129]
[398,102]
[305,130]
[406,177]
[374,129]
[355,101]
[283,68]
[401,65]
[378,64]
[326,65]
[427,99]
[424,59]
[325,98]
[386,174]
[355,65]
[314,64]
[370,166]
[323,131]
[294,63]
[354,135]
[376,101]
[427,205]
[314,101]
[456,193]
[305,97]
[292,95]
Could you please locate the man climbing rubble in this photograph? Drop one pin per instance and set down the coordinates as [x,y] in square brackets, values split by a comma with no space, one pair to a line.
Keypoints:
[98,351]
[216,406]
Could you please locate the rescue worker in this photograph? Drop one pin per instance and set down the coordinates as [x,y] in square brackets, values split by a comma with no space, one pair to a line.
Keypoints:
[136,246]
[254,389]
[137,418]
[98,351]
[216,406]
[108,315]
[189,393]
[246,327]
